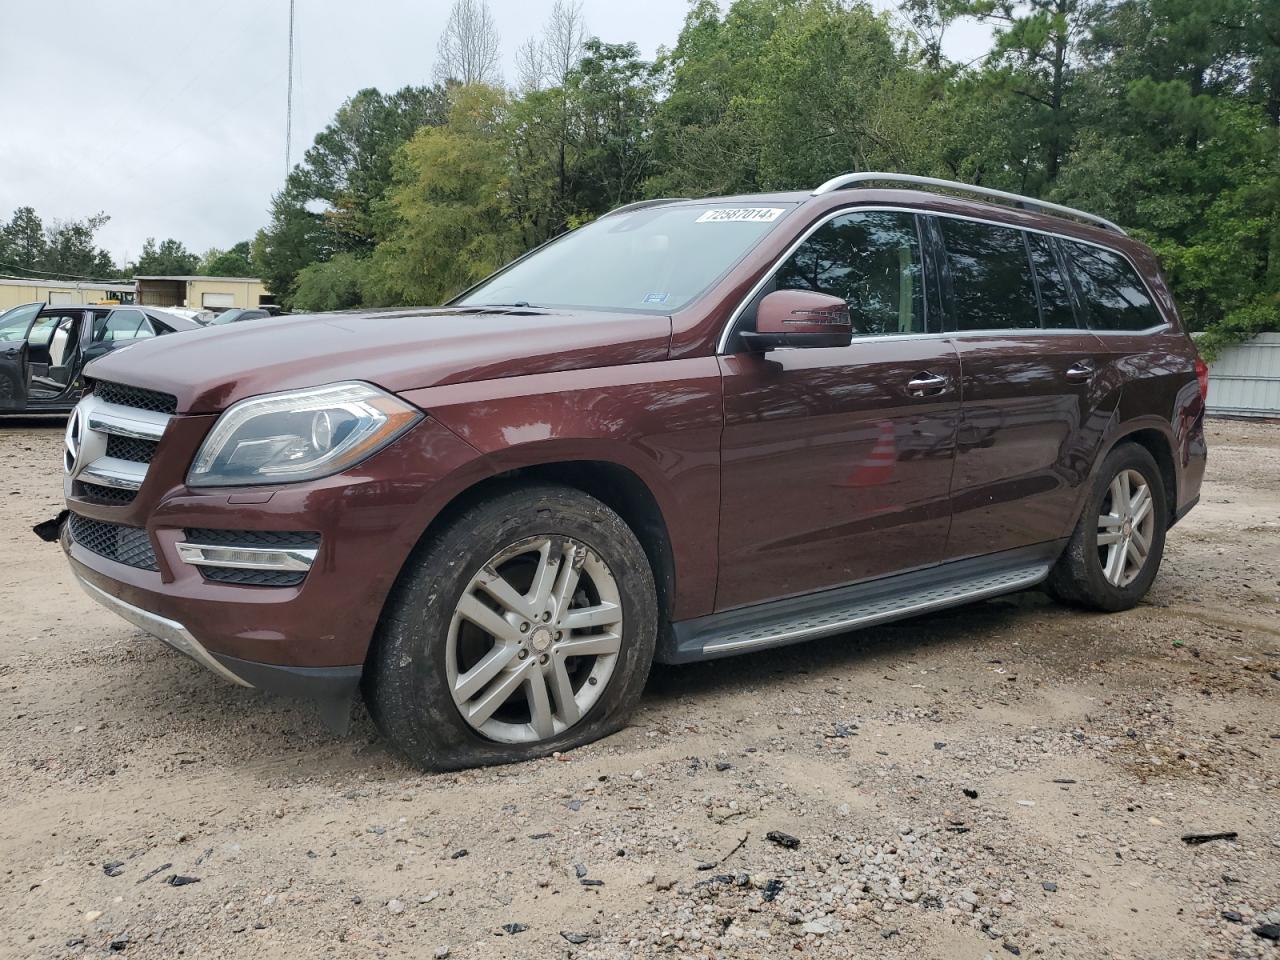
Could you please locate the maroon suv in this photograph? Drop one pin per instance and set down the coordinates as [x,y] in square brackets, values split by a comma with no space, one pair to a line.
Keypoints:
[690,429]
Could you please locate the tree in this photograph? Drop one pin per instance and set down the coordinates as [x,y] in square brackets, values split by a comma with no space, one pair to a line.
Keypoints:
[22,241]
[450,222]
[330,200]
[167,259]
[69,249]
[294,238]
[782,94]
[336,284]
[236,262]
[469,50]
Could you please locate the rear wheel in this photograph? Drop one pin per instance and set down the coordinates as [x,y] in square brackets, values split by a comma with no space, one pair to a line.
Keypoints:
[1115,550]
[526,625]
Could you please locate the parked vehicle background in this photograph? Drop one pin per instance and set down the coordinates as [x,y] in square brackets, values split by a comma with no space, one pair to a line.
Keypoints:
[43,349]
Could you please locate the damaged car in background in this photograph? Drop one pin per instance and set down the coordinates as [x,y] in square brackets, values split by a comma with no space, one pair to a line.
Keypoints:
[44,347]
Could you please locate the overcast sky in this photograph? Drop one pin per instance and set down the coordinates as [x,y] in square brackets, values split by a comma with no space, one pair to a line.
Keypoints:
[169,116]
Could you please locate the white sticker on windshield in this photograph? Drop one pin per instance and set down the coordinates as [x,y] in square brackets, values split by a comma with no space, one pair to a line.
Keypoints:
[741,215]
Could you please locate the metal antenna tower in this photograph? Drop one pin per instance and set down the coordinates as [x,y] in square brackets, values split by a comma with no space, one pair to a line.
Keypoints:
[288,113]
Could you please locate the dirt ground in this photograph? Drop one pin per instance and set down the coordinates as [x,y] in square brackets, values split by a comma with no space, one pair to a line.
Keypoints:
[1010,779]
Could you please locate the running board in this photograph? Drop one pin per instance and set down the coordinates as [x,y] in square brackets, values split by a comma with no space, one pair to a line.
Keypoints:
[780,622]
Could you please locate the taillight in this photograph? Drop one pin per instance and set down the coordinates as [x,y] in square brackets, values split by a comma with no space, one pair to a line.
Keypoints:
[1202,374]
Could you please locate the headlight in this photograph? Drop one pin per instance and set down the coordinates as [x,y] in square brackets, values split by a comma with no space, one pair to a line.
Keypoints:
[299,435]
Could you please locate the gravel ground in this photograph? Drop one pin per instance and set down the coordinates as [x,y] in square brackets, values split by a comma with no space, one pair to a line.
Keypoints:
[1011,779]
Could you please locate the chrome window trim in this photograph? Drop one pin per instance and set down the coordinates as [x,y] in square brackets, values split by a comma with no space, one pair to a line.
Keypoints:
[722,343]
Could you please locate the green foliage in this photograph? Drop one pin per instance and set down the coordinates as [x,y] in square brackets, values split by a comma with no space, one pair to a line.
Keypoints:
[236,262]
[336,284]
[167,259]
[330,201]
[448,212]
[29,247]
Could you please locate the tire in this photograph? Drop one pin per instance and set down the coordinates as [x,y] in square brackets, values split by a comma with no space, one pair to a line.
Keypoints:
[1087,574]
[430,642]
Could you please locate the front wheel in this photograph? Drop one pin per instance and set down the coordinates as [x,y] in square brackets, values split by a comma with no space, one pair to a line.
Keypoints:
[1115,550]
[526,625]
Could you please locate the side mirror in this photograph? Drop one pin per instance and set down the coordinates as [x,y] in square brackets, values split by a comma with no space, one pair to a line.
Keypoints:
[800,318]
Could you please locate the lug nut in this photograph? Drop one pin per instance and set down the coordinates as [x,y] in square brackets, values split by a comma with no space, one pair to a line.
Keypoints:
[546,615]
[524,628]
[524,654]
[543,659]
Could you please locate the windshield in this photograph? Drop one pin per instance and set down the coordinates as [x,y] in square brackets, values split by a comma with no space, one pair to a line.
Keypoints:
[14,323]
[227,316]
[654,260]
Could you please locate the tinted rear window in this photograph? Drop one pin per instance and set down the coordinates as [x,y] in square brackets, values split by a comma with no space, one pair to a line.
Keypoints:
[1056,312]
[1113,294]
[991,283]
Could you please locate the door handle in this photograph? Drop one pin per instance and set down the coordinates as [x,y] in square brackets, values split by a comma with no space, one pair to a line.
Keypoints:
[927,385]
[1081,371]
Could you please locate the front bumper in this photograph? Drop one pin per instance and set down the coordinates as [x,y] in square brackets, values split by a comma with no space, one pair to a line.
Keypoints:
[334,684]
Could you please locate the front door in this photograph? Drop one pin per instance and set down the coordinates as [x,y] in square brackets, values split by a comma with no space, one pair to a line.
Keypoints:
[1032,419]
[836,461]
[15,367]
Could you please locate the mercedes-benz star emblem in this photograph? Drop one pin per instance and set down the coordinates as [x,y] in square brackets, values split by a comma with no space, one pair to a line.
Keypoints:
[75,430]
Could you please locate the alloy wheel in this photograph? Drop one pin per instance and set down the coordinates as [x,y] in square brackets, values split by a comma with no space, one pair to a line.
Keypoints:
[534,639]
[1126,528]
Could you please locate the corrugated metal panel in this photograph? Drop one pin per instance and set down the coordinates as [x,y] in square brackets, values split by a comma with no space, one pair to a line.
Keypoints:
[1245,379]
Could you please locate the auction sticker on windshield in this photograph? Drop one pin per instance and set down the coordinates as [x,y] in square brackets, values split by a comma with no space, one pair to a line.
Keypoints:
[741,214]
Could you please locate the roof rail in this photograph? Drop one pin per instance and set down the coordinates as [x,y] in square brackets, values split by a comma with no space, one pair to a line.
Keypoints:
[642,204]
[1015,199]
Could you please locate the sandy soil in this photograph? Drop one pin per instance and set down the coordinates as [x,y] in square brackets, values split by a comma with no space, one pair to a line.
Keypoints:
[1089,745]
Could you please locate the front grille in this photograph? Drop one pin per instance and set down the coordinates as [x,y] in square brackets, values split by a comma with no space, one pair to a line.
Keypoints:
[130,448]
[143,399]
[127,545]
[255,578]
[254,538]
[101,494]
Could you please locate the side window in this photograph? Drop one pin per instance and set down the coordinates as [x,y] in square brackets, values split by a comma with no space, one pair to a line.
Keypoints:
[1113,294]
[42,331]
[991,283]
[1056,311]
[872,261]
[123,325]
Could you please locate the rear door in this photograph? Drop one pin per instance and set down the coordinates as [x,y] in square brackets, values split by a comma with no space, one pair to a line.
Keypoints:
[1031,422]
[15,367]
[836,461]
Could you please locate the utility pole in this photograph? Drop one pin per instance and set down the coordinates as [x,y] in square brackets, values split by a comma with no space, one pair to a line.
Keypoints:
[288,113]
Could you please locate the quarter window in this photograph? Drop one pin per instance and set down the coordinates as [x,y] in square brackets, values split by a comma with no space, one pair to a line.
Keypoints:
[1113,294]
[991,283]
[1056,312]
[123,325]
[870,260]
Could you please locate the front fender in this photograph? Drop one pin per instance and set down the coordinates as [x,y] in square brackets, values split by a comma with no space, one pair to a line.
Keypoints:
[661,421]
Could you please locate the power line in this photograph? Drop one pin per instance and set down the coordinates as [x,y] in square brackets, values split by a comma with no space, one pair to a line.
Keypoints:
[46,275]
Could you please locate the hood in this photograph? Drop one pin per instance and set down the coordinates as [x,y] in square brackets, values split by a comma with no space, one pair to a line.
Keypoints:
[398,350]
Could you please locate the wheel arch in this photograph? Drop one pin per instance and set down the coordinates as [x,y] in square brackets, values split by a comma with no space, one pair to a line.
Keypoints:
[617,486]
[1156,437]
